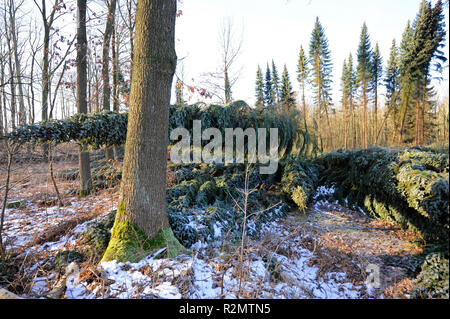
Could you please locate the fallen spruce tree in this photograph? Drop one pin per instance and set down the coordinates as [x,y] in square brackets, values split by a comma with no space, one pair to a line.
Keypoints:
[204,200]
[107,128]
[213,188]
[408,187]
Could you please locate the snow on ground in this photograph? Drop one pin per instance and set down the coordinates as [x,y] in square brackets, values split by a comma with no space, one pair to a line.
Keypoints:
[23,226]
[213,272]
[276,265]
[198,276]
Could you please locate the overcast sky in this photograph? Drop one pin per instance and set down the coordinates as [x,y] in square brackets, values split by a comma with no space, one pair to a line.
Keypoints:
[275,29]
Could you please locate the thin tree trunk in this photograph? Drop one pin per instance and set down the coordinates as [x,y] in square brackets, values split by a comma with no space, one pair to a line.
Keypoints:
[12,27]
[382,125]
[1,101]
[318,100]
[422,123]
[375,111]
[12,82]
[115,60]
[5,198]
[105,65]
[83,155]
[417,140]
[45,75]
[344,107]
[365,140]
[304,105]
[52,177]
[3,97]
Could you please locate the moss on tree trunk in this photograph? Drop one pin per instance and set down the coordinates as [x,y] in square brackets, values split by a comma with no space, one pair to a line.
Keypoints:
[130,243]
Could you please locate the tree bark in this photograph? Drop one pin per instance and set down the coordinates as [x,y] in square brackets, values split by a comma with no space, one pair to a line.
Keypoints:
[83,155]
[375,119]
[3,96]
[115,60]
[142,223]
[344,107]
[304,105]
[105,65]
[1,99]
[11,81]
[365,141]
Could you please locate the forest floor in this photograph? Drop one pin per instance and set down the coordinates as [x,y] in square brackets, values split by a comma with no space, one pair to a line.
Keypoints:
[326,252]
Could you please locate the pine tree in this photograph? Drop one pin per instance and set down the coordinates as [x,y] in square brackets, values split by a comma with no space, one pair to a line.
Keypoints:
[391,83]
[420,47]
[428,39]
[321,68]
[275,84]
[391,80]
[302,76]
[351,87]
[259,90]
[268,88]
[344,85]
[377,73]
[405,80]
[286,96]
[364,72]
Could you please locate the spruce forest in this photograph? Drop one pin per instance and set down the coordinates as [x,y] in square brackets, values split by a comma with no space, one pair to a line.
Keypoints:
[141,158]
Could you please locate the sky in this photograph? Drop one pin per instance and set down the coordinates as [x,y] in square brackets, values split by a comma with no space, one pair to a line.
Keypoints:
[275,29]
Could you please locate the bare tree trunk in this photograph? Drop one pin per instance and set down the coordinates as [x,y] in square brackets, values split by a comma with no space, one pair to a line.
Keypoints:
[330,136]
[386,116]
[58,85]
[13,31]
[141,223]
[115,59]
[83,155]
[344,106]
[105,65]
[319,93]
[352,109]
[10,150]
[417,140]
[375,115]
[45,75]
[52,177]
[5,198]
[3,96]
[365,140]
[1,99]
[304,106]
[11,76]
[116,68]
[227,85]
[422,123]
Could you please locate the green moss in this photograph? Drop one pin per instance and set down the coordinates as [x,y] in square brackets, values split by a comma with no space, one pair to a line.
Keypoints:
[17,204]
[300,198]
[130,243]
